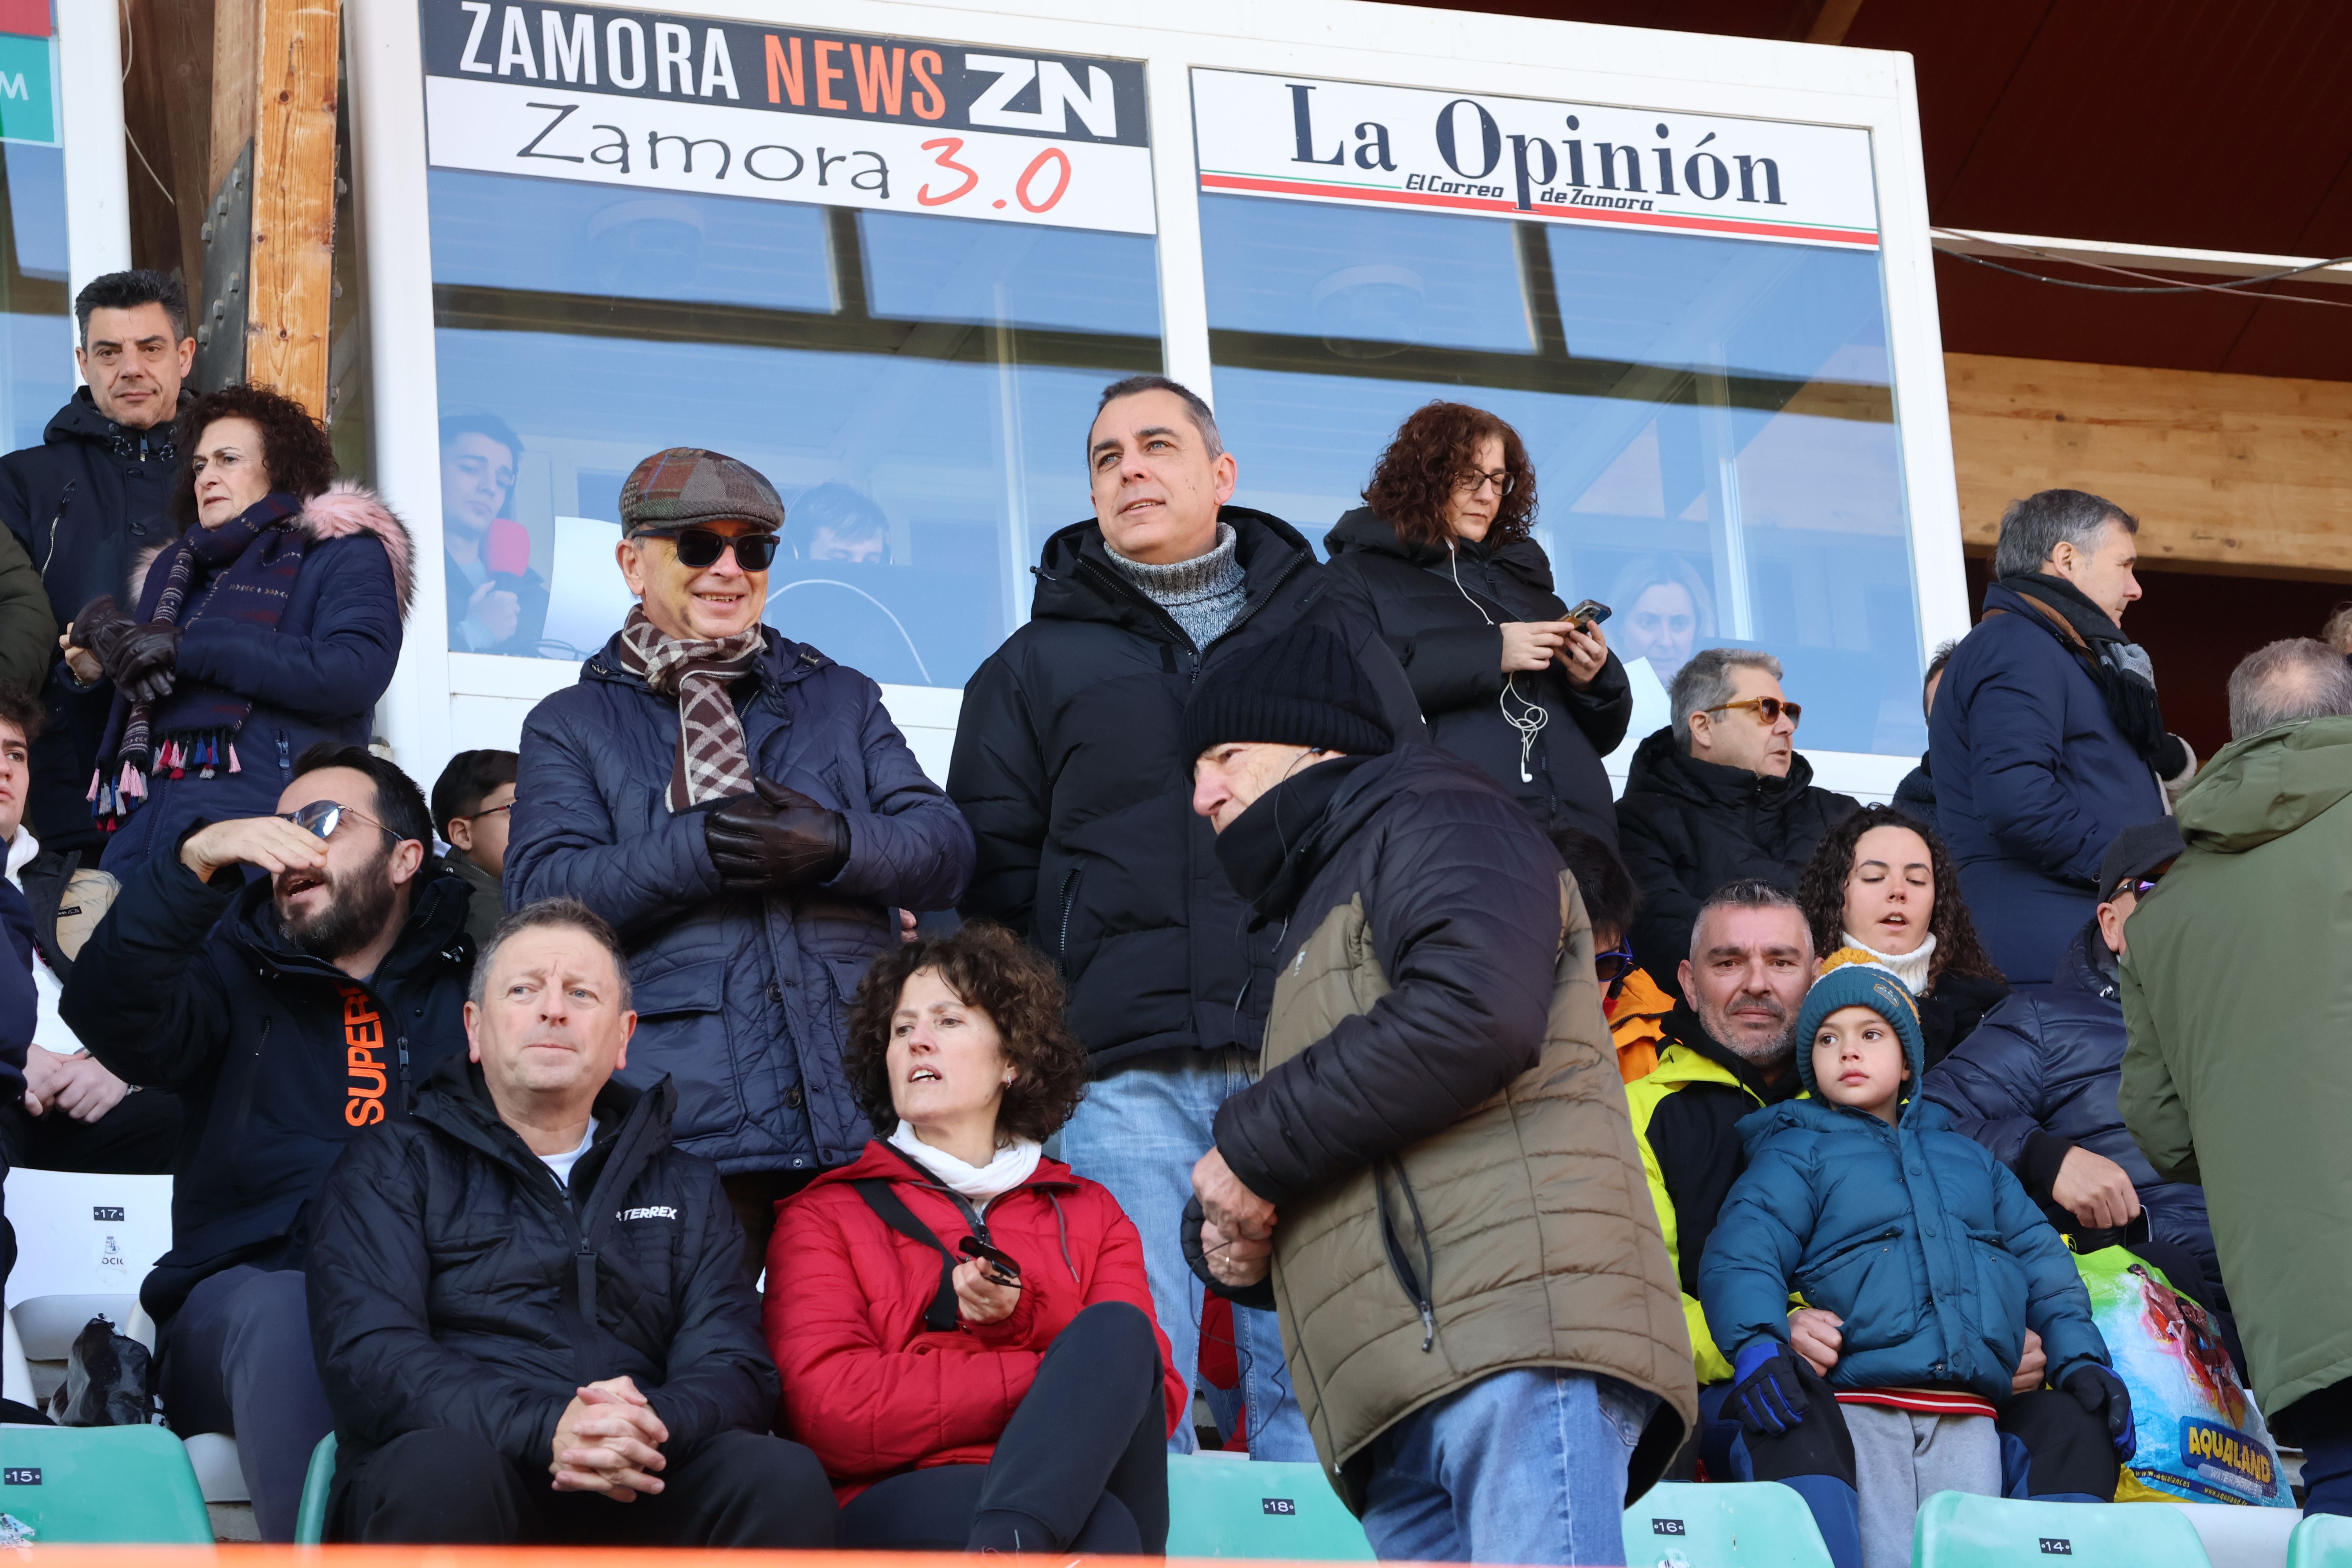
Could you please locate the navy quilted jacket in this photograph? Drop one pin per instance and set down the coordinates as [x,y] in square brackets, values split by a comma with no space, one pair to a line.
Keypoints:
[741,997]
[1917,1237]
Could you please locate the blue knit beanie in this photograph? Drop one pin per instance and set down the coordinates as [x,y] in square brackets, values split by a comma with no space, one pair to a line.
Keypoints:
[1853,981]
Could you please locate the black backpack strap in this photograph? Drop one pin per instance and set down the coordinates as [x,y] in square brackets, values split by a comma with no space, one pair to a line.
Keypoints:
[944,1314]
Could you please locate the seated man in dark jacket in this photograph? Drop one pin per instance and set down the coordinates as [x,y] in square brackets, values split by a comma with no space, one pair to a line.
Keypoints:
[530,1307]
[2036,1085]
[745,813]
[287,1011]
[1721,796]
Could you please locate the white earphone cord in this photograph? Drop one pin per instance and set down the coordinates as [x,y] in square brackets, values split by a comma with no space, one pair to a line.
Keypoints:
[1531,718]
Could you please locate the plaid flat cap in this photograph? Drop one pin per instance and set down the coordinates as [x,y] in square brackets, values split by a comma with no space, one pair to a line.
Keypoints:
[686,485]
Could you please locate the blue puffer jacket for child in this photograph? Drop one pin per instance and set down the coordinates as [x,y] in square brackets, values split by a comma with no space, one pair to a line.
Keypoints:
[1919,1240]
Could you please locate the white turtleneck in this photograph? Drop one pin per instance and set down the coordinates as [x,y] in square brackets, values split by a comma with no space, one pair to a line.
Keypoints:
[984,1185]
[1911,968]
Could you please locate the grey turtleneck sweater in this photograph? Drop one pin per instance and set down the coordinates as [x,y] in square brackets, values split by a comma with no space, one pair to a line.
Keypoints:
[1203,595]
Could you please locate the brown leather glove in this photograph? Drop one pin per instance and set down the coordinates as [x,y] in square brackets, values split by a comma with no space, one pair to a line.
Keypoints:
[775,839]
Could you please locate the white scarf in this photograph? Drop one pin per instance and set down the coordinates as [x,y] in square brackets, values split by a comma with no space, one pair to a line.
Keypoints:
[981,1183]
[1911,968]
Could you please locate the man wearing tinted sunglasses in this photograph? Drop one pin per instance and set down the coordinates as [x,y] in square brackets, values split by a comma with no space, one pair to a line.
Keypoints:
[744,813]
[293,978]
[1719,797]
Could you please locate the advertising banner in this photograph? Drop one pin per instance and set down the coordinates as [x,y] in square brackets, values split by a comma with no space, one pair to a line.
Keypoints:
[786,112]
[1362,144]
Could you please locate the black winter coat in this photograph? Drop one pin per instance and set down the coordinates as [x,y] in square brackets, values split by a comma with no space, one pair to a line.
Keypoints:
[1442,616]
[1953,1008]
[1686,828]
[1067,766]
[742,998]
[279,1058]
[2039,1076]
[83,504]
[454,1284]
[1462,896]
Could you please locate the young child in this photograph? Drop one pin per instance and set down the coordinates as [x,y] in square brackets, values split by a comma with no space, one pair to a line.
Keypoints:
[1929,1262]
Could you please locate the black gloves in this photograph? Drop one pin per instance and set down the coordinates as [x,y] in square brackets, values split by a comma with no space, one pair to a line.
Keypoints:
[774,839]
[1767,1397]
[2103,1393]
[141,660]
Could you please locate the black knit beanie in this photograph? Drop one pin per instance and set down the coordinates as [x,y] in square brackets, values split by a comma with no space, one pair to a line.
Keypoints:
[1302,687]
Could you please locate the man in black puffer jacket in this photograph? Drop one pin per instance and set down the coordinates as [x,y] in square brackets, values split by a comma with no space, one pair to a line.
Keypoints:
[2036,1085]
[1068,766]
[1721,795]
[530,1306]
[287,1011]
[84,502]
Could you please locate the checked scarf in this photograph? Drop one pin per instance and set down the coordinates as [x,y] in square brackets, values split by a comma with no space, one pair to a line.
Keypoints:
[713,759]
[241,573]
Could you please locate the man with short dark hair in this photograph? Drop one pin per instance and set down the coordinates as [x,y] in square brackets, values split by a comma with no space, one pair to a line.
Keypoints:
[1720,795]
[473,809]
[73,1114]
[498,602]
[289,1010]
[1068,766]
[1917,792]
[83,504]
[837,522]
[530,1307]
[1635,1004]
[2045,739]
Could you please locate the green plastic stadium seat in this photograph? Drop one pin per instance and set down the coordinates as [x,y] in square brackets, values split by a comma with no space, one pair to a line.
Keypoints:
[1221,1507]
[311,1519]
[101,1485]
[1955,1530]
[2322,1540]
[1760,1524]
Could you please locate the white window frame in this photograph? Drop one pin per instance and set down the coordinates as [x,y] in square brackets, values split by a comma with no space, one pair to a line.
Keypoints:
[440,700]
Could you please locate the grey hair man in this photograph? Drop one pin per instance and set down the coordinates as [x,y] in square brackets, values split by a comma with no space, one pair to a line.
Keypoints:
[2046,739]
[1720,795]
[457,1260]
[2286,681]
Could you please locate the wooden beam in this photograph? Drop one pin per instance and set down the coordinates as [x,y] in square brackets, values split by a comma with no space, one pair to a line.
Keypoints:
[167,54]
[293,253]
[2244,473]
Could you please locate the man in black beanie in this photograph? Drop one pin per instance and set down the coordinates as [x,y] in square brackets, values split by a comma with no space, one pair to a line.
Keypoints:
[1435,1182]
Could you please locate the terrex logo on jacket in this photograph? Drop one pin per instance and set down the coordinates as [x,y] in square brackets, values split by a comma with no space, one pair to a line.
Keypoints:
[362,1040]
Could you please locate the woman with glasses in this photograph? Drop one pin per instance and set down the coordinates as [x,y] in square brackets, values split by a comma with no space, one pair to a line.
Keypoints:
[1884,883]
[1443,550]
[271,624]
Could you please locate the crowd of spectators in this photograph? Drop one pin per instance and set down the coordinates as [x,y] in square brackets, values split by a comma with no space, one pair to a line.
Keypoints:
[600,1154]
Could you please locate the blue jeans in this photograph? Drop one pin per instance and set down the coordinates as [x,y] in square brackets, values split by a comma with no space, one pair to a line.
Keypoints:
[1525,1467]
[1138,1132]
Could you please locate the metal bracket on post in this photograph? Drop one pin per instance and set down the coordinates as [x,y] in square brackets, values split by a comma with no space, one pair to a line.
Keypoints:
[229,257]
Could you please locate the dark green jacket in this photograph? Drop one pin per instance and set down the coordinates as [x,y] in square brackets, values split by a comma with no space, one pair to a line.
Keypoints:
[2237,987]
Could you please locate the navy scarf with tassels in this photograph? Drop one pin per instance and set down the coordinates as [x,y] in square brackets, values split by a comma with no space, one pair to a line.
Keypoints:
[241,573]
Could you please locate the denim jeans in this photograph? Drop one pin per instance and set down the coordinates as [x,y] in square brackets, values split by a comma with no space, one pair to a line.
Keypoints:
[1527,1467]
[1139,1130]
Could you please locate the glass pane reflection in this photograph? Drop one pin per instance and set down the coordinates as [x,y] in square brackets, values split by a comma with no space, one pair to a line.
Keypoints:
[917,388]
[1711,419]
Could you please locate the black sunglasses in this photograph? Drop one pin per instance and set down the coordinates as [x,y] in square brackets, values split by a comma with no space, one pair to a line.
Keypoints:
[700,547]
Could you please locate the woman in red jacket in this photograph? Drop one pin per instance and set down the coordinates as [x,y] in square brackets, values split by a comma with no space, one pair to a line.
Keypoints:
[962,1325]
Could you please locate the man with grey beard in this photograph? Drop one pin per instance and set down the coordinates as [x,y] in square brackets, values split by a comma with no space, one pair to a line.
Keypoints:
[292,978]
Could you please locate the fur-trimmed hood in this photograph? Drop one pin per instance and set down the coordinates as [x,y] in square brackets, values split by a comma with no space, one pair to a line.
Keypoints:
[345,508]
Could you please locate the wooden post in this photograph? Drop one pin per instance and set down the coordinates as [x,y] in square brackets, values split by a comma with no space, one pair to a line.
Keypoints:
[291,268]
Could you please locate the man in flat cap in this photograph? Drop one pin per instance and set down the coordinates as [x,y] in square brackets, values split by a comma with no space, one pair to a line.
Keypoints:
[745,814]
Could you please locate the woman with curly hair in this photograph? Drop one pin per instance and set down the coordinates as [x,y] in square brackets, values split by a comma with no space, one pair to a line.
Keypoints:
[1882,882]
[1463,593]
[272,623]
[963,1326]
